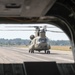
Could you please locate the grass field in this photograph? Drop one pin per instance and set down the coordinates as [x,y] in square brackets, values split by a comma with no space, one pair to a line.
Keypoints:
[65,48]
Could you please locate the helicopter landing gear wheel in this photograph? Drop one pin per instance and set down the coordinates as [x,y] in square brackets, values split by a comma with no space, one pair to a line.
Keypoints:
[32,51]
[45,51]
[29,51]
[48,52]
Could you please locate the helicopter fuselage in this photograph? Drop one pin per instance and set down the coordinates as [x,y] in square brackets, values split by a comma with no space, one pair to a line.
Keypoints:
[40,44]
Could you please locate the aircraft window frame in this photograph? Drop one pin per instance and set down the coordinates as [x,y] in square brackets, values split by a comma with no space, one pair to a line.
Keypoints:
[33,42]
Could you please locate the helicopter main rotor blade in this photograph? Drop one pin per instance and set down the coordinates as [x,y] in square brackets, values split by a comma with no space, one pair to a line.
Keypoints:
[16,30]
[55,31]
[23,26]
[28,30]
[49,27]
[28,26]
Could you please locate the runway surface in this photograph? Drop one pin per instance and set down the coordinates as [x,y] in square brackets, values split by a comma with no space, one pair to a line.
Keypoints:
[20,55]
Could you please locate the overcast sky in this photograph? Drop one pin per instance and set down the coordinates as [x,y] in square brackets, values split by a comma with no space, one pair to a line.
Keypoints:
[26,34]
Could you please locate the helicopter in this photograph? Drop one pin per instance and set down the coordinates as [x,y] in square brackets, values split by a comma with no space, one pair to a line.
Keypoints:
[40,42]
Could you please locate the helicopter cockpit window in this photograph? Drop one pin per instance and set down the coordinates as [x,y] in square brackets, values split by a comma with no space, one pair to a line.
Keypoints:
[42,40]
[21,42]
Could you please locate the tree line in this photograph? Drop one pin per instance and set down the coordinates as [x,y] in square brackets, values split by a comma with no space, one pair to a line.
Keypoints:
[16,41]
[19,41]
[60,42]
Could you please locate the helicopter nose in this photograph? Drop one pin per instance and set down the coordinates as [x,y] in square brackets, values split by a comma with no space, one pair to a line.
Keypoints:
[42,46]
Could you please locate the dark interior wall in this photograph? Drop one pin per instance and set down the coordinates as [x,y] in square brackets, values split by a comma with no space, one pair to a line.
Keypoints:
[65,13]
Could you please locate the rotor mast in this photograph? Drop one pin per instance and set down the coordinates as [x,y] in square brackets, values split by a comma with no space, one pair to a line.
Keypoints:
[37,31]
[42,33]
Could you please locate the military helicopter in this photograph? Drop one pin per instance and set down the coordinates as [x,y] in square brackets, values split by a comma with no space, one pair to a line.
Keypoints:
[39,41]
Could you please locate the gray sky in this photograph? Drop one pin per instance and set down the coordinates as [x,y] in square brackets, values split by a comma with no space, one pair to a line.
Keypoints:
[26,34]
